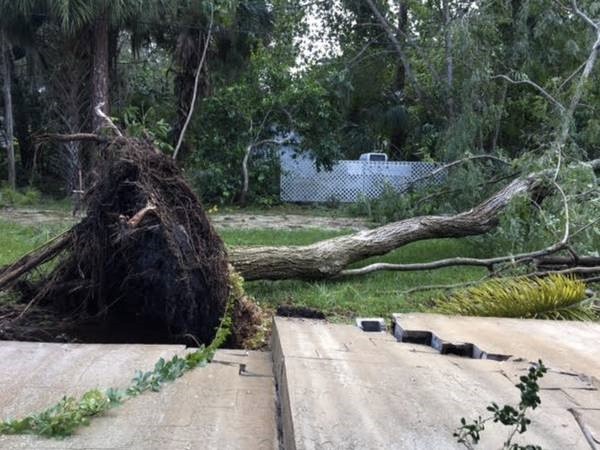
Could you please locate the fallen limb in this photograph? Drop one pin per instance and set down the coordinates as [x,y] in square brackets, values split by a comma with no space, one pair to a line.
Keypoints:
[82,137]
[328,258]
[488,263]
[32,260]
[586,261]
[331,258]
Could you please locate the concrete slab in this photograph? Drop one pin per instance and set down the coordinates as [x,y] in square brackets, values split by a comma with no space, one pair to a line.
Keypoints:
[212,407]
[344,388]
[570,346]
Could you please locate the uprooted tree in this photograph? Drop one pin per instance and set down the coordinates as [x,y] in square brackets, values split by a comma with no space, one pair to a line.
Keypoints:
[145,253]
[145,249]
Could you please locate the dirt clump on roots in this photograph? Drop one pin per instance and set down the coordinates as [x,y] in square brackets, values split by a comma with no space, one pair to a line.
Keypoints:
[144,264]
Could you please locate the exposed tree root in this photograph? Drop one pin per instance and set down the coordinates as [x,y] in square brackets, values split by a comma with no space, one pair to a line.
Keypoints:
[145,255]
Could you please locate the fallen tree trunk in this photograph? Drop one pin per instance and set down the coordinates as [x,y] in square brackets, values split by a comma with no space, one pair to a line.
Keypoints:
[327,259]
[330,258]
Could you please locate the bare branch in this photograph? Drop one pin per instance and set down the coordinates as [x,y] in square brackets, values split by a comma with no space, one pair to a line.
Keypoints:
[570,77]
[456,163]
[389,30]
[482,262]
[565,238]
[459,261]
[567,119]
[196,82]
[82,137]
[583,15]
[107,120]
[249,149]
[540,89]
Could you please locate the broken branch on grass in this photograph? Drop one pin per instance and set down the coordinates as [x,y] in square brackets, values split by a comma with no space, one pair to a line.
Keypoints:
[488,263]
[482,262]
[34,259]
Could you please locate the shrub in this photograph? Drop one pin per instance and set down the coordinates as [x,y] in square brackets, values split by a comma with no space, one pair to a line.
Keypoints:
[552,297]
[10,197]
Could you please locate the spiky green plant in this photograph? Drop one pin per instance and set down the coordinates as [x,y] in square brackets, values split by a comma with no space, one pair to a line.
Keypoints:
[555,297]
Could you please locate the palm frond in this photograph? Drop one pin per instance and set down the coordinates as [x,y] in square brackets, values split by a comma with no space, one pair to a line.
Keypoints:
[73,14]
[555,297]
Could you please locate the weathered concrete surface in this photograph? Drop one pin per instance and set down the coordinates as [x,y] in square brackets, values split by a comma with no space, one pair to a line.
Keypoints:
[211,407]
[344,388]
[571,346]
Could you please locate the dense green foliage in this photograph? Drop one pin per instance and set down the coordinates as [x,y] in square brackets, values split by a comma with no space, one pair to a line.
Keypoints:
[328,71]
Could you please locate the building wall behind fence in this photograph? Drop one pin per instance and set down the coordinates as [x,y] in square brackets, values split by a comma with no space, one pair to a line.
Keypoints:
[348,181]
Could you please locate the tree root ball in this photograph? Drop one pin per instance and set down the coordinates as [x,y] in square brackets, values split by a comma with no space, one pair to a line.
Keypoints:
[145,261]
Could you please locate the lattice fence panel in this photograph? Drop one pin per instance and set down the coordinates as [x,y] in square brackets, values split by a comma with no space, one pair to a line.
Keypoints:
[349,181]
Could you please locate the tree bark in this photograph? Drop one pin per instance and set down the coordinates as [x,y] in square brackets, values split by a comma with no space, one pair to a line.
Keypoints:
[5,70]
[327,259]
[100,70]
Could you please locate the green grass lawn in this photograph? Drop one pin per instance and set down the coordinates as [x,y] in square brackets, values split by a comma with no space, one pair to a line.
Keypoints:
[290,208]
[378,294]
[16,240]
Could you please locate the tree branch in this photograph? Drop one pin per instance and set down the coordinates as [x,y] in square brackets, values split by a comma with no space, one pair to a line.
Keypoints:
[326,259]
[540,89]
[584,16]
[389,30]
[83,137]
[456,163]
[107,120]
[196,82]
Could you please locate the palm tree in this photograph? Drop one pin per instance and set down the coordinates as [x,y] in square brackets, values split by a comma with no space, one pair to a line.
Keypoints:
[64,32]
[97,17]
[5,73]
[11,28]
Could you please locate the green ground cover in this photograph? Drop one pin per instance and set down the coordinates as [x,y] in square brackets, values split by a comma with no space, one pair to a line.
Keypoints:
[16,240]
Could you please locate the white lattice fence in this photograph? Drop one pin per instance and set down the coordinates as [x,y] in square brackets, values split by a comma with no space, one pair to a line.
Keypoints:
[348,181]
